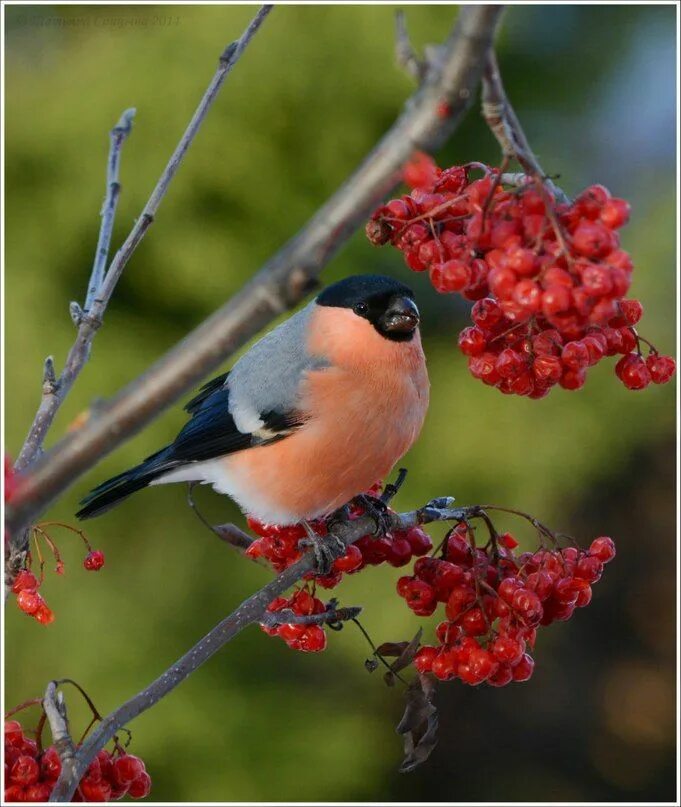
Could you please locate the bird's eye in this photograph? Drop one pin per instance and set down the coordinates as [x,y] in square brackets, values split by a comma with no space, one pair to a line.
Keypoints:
[361,309]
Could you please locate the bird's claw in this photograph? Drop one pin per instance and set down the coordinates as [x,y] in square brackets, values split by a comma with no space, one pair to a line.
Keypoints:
[378,510]
[325,548]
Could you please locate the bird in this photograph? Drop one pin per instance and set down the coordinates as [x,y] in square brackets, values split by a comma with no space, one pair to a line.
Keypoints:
[309,418]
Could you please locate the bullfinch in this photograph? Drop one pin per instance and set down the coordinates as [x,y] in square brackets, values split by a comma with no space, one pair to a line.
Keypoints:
[309,418]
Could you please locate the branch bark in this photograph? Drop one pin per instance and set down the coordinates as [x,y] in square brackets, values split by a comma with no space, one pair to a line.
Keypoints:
[253,610]
[284,280]
[502,120]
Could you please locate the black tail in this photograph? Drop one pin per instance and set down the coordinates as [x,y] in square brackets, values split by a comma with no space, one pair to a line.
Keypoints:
[114,490]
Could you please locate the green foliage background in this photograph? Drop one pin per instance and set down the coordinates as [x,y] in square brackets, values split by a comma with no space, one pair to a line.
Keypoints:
[315,90]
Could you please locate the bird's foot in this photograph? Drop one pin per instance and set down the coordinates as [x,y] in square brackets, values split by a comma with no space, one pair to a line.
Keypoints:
[378,510]
[326,548]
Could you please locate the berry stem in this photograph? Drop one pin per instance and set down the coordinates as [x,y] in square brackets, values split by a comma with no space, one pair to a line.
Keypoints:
[377,654]
[22,706]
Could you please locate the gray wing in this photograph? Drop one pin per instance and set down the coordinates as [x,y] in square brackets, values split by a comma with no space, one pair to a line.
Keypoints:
[264,384]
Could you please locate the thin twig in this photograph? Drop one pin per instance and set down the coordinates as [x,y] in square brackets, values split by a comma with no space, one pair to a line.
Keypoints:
[282,282]
[502,120]
[288,617]
[108,213]
[405,55]
[231,534]
[251,611]
[90,320]
[54,707]
[55,390]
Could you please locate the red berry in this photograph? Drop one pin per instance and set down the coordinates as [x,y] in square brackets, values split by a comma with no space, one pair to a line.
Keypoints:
[350,561]
[510,364]
[125,768]
[661,368]
[508,650]
[94,561]
[44,615]
[632,372]
[584,597]
[603,548]
[502,677]
[140,787]
[423,660]
[631,311]
[95,791]
[419,541]
[420,171]
[25,581]
[556,299]
[615,213]
[29,601]
[472,341]
[400,552]
[15,793]
[24,771]
[524,668]
[575,356]
[14,735]
[50,765]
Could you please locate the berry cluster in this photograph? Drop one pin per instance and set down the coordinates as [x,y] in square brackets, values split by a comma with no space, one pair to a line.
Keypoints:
[281,546]
[549,279]
[26,584]
[307,638]
[495,601]
[31,773]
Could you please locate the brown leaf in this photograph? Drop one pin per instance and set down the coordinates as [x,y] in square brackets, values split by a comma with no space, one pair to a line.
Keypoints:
[419,723]
[391,648]
[408,652]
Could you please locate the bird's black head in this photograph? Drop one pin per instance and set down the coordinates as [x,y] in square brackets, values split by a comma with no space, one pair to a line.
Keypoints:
[386,303]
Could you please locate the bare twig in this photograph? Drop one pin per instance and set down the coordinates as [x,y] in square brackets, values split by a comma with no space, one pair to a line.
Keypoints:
[502,120]
[251,611]
[284,280]
[108,213]
[231,534]
[54,707]
[405,55]
[101,286]
[55,389]
[288,617]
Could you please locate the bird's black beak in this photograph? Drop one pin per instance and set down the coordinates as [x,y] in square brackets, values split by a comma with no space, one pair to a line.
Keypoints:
[401,316]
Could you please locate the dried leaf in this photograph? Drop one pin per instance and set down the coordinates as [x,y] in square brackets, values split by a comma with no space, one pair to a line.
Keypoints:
[391,648]
[407,655]
[419,723]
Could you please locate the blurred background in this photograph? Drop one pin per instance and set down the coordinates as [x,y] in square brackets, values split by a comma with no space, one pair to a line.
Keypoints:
[315,90]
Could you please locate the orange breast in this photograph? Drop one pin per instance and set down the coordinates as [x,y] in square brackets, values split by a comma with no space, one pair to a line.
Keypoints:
[365,411]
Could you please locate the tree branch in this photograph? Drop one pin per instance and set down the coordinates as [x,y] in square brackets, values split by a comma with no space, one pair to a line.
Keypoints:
[252,611]
[101,285]
[54,707]
[283,281]
[502,120]
[108,213]
[288,617]
[55,389]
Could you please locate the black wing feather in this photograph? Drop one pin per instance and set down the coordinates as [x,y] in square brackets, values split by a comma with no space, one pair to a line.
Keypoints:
[211,432]
[205,392]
